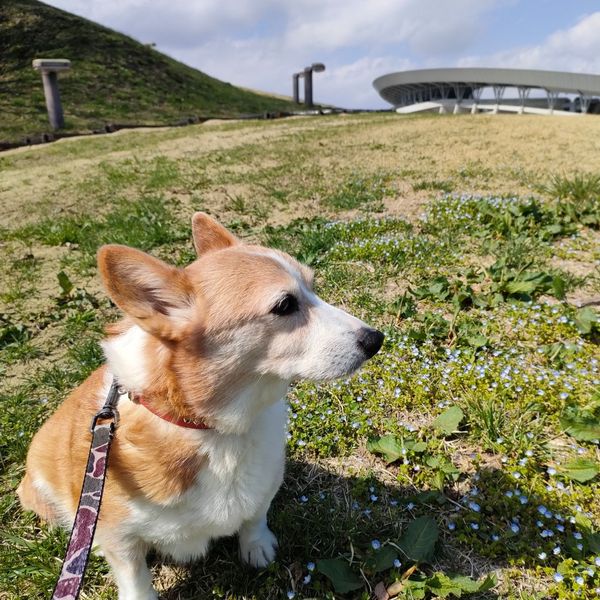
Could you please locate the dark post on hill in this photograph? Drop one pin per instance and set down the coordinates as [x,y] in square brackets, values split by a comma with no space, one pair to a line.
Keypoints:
[49,67]
[308,82]
[307,74]
[295,87]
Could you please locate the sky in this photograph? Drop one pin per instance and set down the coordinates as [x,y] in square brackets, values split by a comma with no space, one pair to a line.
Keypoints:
[258,44]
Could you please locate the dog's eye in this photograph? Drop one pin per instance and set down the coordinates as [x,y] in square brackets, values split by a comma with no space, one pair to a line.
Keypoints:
[286,306]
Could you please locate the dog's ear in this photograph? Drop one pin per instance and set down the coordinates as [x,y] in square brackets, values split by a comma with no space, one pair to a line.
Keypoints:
[209,235]
[157,296]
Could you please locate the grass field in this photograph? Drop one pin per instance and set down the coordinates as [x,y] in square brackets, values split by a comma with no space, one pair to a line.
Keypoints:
[464,459]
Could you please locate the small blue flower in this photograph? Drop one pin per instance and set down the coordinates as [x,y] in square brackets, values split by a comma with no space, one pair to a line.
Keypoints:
[303,499]
[375,544]
[542,556]
[556,550]
[474,506]
[452,527]
[310,566]
[291,595]
[577,535]
[306,580]
[514,527]
[475,526]
[410,506]
[579,580]
[597,561]
[558,577]
[397,563]
[551,471]
[374,498]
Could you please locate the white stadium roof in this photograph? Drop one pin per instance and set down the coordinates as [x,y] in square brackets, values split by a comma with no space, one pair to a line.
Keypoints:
[406,87]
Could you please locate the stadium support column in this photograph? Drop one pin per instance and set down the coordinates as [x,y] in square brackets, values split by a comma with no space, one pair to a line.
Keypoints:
[584,103]
[477,90]
[523,95]
[459,92]
[498,95]
[552,97]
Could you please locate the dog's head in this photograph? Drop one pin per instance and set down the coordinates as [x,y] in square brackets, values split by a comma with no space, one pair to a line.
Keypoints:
[238,312]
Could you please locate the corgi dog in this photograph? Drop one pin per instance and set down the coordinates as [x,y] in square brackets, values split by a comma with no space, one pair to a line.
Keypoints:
[216,343]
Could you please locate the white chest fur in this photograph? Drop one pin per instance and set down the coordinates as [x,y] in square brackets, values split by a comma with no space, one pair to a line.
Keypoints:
[235,485]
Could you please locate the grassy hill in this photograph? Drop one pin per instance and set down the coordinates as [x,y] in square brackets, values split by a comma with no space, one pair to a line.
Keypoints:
[114,79]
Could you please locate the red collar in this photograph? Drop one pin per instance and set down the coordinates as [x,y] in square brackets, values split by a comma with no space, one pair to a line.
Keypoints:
[187,423]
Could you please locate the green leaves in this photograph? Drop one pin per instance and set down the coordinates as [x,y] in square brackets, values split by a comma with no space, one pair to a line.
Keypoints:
[582,423]
[441,289]
[419,539]
[65,283]
[393,448]
[449,420]
[580,469]
[417,543]
[522,284]
[382,560]
[587,321]
[388,445]
[338,571]
[440,585]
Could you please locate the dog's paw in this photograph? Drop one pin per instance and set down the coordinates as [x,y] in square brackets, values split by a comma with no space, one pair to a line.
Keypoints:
[258,550]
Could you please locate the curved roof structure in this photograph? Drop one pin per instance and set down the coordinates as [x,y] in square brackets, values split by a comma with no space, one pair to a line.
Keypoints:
[409,87]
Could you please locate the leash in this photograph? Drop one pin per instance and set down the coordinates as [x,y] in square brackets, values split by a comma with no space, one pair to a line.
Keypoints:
[73,569]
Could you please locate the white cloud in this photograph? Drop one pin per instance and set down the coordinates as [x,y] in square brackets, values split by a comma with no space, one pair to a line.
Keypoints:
[351,85]
[172,23]
[574,49]
[427,27]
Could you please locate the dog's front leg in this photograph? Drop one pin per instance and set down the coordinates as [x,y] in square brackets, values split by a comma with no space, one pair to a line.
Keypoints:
[131,572]
[257,542]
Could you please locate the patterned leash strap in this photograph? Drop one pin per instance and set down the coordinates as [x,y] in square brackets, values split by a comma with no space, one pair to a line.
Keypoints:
[73,569]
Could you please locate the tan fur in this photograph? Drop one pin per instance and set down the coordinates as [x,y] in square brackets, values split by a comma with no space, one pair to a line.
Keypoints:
[148,459]
[208,235]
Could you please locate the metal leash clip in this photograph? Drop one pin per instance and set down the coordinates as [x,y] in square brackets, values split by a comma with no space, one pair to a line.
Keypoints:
[109,409]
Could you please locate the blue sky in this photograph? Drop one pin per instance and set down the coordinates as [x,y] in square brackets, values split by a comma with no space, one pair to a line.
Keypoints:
[260,43]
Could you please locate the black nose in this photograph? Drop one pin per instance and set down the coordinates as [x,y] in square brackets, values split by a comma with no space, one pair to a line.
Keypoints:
[370,340]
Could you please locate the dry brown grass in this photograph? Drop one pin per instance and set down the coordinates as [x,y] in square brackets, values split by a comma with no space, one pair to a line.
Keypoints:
[503,154]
